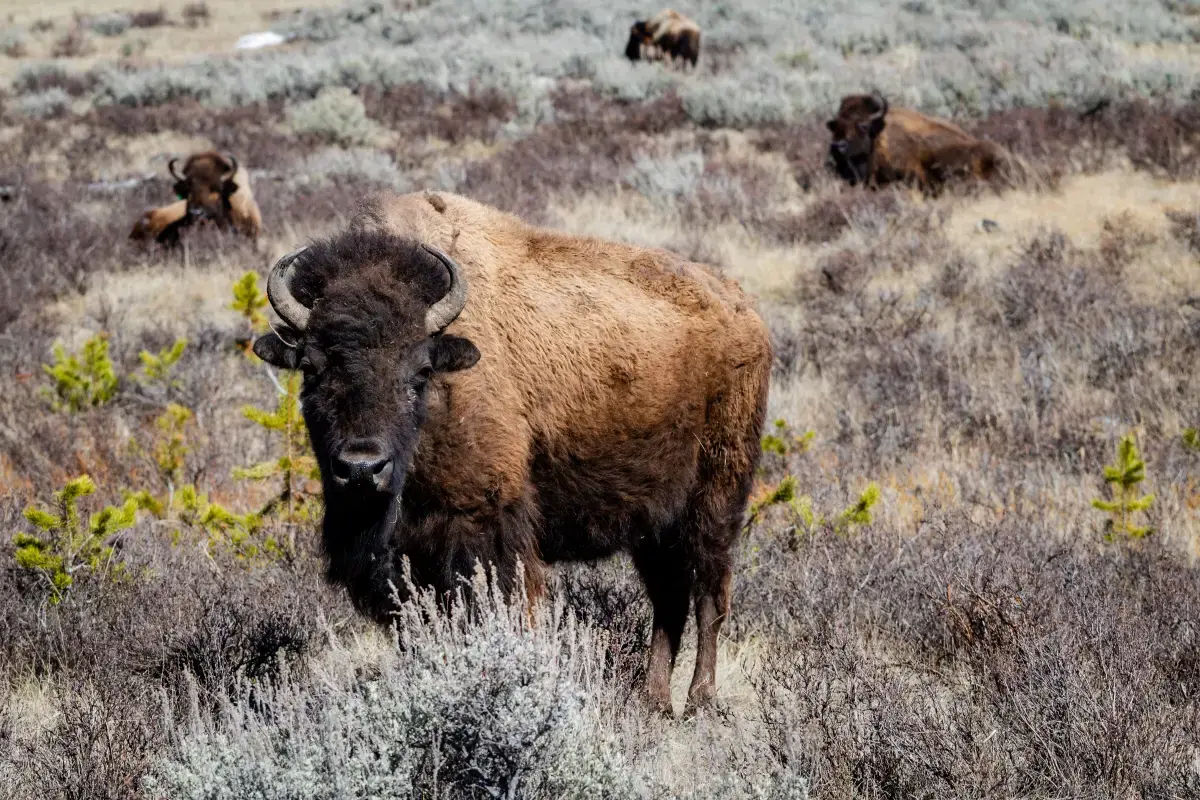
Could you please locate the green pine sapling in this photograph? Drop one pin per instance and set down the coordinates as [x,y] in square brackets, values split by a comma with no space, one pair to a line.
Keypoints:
[295,465]
[84,379]
[249,301]
[156,368]
[64,548]
[1123,476]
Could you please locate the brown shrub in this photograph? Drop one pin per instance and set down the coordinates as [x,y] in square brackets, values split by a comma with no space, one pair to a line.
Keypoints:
[149,18]
[416,112]
[196,14]
[72,44]
[827,217]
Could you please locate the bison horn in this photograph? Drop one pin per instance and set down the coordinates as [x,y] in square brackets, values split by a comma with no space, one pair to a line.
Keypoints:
[233,166]
[882,104]
[279,291]
[171,168]
[446,310]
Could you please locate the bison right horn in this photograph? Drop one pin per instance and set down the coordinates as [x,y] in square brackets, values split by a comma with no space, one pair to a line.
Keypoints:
[446,310]
[171,168]
[882,104]
[279,292]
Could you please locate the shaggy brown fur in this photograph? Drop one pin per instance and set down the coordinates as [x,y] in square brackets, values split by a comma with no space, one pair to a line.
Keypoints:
[218,189]
[617,404]
[161,224]
[876,145]
[667,36]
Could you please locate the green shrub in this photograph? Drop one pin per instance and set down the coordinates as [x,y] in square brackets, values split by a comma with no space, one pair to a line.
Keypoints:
[83,380]
[335,116]
[784,441]
[50,104]
[64,548]
[295,465]
[157,367]
[1123,477]
[111,24]
[249,301]
[800,508]
[1191,439]
[500,705]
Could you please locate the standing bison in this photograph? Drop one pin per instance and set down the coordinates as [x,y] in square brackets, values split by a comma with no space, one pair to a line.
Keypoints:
[667,36]
[876,145]
[478,389]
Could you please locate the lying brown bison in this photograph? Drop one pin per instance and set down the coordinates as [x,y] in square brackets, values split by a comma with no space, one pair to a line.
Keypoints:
[161,224]
[875,145]
[477,389]
[218,189]
[667,36]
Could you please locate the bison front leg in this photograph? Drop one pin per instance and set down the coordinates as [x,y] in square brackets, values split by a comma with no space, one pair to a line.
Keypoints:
[669,586]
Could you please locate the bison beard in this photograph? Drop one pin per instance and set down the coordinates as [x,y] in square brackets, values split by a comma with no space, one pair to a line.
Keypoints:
[431,460]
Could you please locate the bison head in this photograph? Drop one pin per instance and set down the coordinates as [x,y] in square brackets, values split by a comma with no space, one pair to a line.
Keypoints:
[365,314]
[207,183]
[638,36]
[859,122]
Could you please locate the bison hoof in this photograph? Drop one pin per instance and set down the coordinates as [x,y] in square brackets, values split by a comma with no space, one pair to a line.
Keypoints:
[660,703]
[700,699]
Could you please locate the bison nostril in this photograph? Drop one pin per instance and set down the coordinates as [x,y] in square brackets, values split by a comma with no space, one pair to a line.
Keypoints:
[363,461]
[341,470]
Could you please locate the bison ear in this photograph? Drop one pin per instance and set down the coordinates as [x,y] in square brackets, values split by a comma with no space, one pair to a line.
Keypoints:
[451,353]
[229,187]
[181,190]
[874,127]
[832,125]
[273,350]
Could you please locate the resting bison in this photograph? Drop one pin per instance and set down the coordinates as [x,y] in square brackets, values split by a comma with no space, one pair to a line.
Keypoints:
[218,189]
[668,35]
[531,397]
[875,145]
[162,224]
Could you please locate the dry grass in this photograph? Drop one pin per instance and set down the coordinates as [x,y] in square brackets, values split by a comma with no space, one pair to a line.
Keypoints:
[170,42]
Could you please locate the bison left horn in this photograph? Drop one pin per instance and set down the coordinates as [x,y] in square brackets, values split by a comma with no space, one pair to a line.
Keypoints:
[279,292]
[446,310]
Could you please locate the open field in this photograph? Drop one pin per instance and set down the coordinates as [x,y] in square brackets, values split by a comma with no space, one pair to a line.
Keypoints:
[984,634]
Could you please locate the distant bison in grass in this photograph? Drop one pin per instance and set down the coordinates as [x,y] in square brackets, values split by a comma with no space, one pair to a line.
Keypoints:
[217,189]
[213,189]
[480,390]
[875,145]
[669,35]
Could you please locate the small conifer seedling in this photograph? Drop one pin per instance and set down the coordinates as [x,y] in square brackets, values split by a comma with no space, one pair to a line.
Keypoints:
[1123,477]
[64,547]
[295,465]
[249,301]
[84,379]
[157,367]
[859,513]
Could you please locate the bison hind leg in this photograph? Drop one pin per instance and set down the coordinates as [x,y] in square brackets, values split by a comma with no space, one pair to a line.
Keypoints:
[668,577]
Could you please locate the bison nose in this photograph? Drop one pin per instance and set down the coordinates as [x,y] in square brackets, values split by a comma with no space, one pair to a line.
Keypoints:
[363,462]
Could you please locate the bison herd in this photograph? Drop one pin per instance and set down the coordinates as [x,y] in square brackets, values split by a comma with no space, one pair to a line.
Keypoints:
[480,390]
